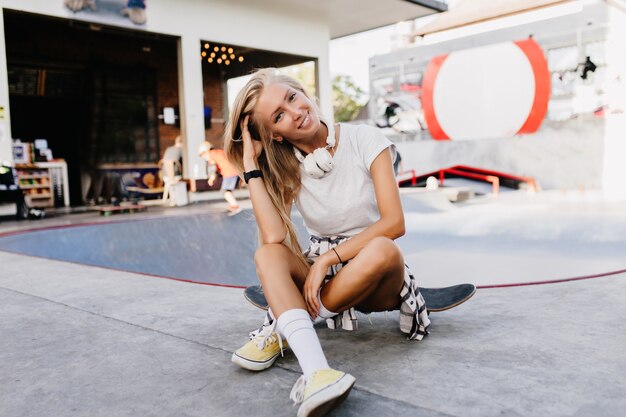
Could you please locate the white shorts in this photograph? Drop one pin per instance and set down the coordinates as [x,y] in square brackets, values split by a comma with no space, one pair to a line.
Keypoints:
[229,183]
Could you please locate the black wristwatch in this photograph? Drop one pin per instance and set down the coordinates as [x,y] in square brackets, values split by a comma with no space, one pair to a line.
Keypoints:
[247,176]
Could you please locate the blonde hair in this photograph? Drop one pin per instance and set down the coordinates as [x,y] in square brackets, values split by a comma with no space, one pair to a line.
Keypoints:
[277,162]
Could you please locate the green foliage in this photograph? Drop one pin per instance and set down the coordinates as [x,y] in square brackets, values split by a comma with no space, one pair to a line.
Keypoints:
[348,98]
[305,73]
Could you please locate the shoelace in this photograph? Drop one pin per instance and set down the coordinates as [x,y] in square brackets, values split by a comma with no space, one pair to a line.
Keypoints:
[266,335]
[297,392]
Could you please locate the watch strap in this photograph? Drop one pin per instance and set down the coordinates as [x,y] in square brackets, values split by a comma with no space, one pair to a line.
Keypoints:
[247,176]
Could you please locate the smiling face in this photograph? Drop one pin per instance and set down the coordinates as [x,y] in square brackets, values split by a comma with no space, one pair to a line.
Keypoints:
[287,113]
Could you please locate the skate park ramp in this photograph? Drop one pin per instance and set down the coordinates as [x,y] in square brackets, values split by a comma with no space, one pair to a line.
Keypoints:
[511,240]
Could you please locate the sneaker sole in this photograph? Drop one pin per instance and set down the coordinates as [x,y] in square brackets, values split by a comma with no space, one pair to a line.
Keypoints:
[253,365]
[320,403]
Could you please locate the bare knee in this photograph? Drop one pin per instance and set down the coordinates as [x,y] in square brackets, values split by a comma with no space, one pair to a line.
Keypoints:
[268,253]
[380,255]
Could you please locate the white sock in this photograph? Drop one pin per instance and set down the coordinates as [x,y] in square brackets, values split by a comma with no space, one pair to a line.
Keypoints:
[296,326]
[324,313]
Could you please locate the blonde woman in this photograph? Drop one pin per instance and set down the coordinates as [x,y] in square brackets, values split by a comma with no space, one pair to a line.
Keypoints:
[342,181]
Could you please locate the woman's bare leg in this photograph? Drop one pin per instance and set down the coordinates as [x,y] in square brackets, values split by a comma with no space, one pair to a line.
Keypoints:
[282,277]
[372,281]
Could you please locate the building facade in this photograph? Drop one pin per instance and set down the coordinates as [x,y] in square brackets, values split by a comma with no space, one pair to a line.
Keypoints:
[110,84]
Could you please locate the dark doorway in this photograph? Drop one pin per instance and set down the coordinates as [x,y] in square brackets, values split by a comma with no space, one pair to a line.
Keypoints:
[93,92]
[59,115]
[123,115]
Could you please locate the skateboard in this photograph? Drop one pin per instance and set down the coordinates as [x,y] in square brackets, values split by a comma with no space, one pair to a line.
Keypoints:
[437,299]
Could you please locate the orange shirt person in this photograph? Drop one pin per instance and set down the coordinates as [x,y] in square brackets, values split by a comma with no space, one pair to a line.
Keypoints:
[217,158]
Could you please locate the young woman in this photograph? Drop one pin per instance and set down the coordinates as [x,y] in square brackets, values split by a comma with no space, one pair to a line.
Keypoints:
[342,182]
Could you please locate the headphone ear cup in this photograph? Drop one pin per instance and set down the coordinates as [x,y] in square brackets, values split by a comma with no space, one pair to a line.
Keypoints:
[323,159]
[311,168]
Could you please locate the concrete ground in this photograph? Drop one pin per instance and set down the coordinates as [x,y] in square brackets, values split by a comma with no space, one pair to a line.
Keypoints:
[89,341]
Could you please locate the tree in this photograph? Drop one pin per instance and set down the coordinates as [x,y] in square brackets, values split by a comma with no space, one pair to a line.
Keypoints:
[305,73]
[348,98]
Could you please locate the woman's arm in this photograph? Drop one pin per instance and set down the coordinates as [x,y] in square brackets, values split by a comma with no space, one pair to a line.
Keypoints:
[271,225]
[391,222]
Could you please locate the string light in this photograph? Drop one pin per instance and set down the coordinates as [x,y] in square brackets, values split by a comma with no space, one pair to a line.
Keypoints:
[226,54]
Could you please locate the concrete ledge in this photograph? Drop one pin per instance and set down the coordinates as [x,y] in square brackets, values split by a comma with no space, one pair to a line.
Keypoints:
[216,195]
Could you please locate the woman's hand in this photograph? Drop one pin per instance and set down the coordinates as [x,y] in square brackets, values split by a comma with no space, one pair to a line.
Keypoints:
[252,148]
[313,283]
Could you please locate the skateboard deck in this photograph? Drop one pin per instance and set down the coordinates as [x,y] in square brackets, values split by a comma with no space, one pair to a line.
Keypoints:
[437,299]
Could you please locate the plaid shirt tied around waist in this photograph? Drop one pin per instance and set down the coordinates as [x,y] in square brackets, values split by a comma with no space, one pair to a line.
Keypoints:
[414,319]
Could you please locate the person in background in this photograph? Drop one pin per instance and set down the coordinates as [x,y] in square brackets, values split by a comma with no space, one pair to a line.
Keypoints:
[174,155]
[217,159]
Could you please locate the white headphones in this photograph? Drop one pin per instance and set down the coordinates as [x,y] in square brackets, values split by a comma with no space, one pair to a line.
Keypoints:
[319,162]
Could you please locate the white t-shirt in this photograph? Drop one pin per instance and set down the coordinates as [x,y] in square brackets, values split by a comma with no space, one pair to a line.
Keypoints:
[344,202]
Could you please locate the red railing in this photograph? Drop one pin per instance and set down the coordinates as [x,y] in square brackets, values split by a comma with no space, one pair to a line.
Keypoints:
[413,177]
[495,181]
[495,178]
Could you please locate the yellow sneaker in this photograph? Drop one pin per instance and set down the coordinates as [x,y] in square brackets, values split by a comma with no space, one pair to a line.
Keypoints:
[321,392]
[262,350]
